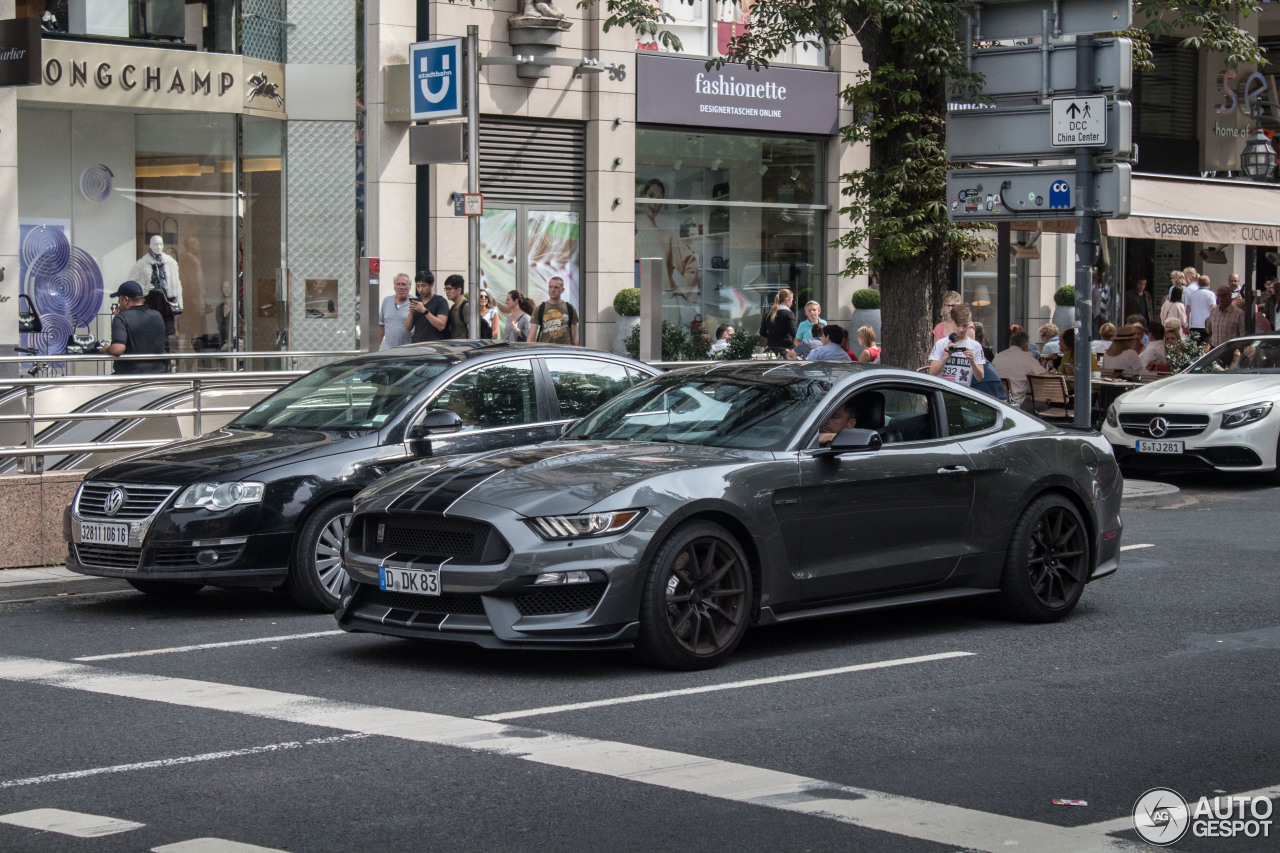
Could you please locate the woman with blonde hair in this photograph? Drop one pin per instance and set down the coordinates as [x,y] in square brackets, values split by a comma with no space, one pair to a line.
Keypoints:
[867,340]
[778,325]
[1105,333]
[950,299]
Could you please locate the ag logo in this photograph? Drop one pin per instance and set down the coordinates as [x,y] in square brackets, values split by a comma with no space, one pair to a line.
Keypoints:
[115,500]
[435,79]
[1161,816]
[1059,195]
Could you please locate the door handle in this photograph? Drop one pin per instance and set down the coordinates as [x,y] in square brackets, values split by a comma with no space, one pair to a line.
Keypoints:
[953,469]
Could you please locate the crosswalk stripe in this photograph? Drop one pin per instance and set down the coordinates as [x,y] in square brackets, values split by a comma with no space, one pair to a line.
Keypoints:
[212,845]
[710,777]
[63,822]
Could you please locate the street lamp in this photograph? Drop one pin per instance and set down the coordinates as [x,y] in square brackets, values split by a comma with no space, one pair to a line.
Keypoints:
[1258,159]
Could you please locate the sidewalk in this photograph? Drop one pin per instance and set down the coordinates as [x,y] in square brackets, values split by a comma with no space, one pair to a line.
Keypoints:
[1148,494]
[45,574]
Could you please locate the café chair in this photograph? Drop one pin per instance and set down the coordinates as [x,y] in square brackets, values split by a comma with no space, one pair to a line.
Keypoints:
[1050,390]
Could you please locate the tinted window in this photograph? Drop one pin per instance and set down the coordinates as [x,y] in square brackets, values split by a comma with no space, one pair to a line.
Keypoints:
[495,396]
[717,411]
[344,396]
[966,416]
[907,416]
[583,384]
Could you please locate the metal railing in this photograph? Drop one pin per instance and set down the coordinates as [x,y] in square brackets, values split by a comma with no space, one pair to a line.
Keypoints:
[32,455]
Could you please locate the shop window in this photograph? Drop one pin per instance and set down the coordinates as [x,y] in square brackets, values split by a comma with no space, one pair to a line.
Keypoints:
[733,219]
[524,246]
[204,25]
[705,28]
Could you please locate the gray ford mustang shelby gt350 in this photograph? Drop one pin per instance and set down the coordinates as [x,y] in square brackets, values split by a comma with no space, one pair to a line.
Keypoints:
[710,499]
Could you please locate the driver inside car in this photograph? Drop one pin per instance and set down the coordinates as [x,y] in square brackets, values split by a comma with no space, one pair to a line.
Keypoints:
[842,418]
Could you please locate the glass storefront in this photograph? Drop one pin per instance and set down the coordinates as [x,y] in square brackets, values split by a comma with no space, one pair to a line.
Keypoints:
[705,28]
[523,246]
[206,25]
[733,218]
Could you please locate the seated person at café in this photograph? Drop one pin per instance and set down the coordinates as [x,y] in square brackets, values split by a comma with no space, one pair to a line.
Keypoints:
[1105,333]
[1049,344]
[1015,363]
[1156,351]
[1121,355]
[1067,367]
[808,345]
[832,348]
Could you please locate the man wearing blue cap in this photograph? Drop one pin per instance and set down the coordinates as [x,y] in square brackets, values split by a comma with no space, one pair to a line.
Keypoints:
[136,330]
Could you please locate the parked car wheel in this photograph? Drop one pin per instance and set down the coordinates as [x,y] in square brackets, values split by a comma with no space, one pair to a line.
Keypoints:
[165,589]
[1048,561]
[316,575]
[697,599]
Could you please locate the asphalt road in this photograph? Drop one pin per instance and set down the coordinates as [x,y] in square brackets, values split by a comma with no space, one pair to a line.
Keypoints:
[236,720]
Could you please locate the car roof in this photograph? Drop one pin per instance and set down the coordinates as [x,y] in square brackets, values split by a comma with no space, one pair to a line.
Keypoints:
[786,370]
[457,352]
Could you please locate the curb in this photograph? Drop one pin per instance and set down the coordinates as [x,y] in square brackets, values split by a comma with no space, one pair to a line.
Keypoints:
[1146,494]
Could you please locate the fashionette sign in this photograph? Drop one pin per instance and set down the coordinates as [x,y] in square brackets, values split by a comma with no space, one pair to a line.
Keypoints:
[137,77]
[20,52]
[682,91]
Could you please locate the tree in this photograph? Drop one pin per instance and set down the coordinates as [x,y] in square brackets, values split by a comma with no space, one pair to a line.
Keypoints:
[896,209]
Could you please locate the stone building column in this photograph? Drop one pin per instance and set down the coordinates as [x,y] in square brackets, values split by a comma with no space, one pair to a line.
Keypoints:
[8,215]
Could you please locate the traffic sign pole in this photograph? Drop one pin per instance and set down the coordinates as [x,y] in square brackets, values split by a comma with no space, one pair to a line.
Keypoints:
[1086,245]
[473,177]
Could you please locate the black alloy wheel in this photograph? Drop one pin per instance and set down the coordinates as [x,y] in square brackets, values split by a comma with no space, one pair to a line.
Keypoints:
[1048,562]
[316,574]
[164,589]
[697,599]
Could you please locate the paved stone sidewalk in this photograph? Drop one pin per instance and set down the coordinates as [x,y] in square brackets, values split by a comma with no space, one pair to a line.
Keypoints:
[1148,494]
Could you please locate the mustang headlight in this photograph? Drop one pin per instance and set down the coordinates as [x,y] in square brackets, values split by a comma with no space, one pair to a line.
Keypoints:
[1245,415]
[1113,420]
[219,496]
[554,527]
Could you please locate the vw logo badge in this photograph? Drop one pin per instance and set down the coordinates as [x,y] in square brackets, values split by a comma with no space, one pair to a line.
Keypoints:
[1159,427]
[115,500]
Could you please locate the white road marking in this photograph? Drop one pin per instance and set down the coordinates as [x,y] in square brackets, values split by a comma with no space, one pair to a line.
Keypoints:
[713,688]
[1135,547]
[725,780]
[213,845]
[64,822]
[175,762]
[203,646]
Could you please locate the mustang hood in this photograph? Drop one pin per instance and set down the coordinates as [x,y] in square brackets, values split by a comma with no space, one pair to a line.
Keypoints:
[1204,390]
[547,479]
[222,455]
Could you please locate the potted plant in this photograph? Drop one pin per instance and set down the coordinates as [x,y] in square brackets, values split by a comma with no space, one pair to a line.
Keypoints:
[1064,312]
[627,305]
[866,312]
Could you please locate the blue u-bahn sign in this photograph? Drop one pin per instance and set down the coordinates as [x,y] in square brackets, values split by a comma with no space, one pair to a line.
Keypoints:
[435,77]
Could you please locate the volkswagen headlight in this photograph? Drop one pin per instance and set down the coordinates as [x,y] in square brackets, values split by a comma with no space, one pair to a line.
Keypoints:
[219,496]
[557,527]
[1245,415]
[1113,420]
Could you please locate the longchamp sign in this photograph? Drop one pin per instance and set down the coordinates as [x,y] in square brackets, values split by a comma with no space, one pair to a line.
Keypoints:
[670,90]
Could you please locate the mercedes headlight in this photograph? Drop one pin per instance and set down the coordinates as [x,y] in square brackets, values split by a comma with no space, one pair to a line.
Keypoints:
[1245,415]
[1113,420]
[556,527]
[219,496]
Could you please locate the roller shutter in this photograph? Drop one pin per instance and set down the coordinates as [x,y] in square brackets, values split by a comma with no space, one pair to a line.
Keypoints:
[532,162]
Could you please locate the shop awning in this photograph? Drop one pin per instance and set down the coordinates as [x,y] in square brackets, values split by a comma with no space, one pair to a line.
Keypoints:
[1223,212]
[1195,211]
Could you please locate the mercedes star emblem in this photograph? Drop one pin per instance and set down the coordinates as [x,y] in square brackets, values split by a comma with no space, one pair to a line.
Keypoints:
[1159,427]
[115,500]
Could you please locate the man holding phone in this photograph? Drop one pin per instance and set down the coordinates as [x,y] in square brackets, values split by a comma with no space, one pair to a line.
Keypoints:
[428,313]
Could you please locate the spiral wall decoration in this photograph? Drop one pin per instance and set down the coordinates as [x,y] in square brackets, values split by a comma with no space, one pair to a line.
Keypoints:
[65,284]
[95,182]
[45,250]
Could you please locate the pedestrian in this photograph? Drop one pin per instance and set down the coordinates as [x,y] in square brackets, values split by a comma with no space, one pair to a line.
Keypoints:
[555,321]
[393,314]
[1226,321]
[458,328]
[1199,303]
[959,359]
[723,331]
[1139,301]
[778,324]
[488,317]
[428,311]
[136,330]
[950,299]
[1175,309]
[519,307]
[1269,303]
[1233,283]
[812,317]
[870,350]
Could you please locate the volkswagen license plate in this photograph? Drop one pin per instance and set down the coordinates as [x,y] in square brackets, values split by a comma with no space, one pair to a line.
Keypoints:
[104,533]
[1148,446]
[409,580]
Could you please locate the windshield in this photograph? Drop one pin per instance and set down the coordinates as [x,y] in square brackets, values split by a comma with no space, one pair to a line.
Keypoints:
[344,396]
[1241,355]
[717,411]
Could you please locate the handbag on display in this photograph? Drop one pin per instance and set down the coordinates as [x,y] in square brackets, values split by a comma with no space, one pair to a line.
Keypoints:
[695,325]
[81,344]
[29,320]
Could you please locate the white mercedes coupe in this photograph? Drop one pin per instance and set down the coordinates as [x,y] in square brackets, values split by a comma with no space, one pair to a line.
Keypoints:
[1215,415]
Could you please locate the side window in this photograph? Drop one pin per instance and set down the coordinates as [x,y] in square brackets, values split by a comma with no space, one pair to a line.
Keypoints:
[495,396]
[584,384]
[906,416]
[966,416]
[637,376]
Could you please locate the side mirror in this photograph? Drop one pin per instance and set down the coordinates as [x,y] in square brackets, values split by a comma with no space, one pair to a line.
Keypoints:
[435,422]
[852,441]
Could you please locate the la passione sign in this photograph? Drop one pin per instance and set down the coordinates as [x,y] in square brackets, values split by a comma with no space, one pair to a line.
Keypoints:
[20,52]
[670,90]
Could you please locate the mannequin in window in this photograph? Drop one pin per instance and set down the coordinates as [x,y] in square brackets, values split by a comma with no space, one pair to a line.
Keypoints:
[158,271]
[196,321]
